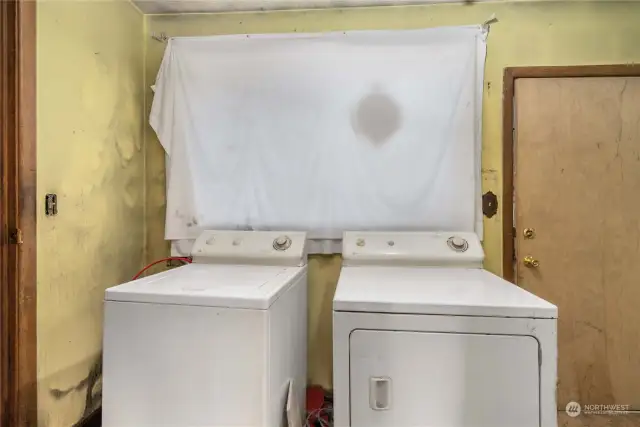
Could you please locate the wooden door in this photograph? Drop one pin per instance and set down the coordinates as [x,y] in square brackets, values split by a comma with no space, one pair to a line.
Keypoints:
[577,185]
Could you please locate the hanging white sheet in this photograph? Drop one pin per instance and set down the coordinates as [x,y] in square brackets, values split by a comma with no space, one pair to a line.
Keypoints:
[322,132]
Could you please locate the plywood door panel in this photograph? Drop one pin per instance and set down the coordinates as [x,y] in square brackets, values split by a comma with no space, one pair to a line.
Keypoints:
[631,420]
[577,183]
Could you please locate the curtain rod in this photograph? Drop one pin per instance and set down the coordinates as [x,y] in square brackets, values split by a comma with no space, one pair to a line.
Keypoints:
[162,37]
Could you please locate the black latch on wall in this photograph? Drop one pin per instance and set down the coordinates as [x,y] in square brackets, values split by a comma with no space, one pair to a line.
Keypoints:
[51,204]
[489,204]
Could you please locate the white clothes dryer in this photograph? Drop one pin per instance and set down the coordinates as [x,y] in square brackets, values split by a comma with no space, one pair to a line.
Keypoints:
[424,337]
[216,343]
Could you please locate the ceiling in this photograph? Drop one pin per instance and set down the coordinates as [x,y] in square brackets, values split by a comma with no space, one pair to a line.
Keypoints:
[208,6]
[211,6]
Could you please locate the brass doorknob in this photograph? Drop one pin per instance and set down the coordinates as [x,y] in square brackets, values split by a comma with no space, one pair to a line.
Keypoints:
[531,262]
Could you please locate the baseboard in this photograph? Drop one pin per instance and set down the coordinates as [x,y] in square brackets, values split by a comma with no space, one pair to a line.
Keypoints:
[93,420]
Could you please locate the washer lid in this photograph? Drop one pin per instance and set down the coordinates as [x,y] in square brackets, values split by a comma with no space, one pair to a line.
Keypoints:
[445,291]
[236,286]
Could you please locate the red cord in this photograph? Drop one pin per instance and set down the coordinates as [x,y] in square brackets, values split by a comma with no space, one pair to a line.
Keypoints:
[171,258]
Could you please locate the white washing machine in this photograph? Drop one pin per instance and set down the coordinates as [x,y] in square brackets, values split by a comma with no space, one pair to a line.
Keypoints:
[216,343]
[424,337]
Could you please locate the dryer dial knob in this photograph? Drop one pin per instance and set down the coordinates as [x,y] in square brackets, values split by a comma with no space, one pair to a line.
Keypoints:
[458,244]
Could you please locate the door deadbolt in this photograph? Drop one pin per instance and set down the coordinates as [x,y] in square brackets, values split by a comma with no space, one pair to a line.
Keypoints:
[529,233]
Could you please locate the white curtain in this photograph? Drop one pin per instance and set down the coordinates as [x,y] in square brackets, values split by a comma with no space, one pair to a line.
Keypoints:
[375,130]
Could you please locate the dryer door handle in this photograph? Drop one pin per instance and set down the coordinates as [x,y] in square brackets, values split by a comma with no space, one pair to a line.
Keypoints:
[380,393]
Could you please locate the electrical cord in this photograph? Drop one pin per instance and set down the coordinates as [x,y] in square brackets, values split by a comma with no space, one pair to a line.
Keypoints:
[317,415]
[171,258]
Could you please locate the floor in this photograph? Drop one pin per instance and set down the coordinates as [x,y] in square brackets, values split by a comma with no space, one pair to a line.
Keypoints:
[563,421]
[95,420]
[599,420]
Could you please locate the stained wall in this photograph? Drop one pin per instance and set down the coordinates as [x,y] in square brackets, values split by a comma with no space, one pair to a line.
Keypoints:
[90,153]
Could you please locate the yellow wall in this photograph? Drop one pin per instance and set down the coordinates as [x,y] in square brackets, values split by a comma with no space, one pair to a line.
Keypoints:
[90,102]
[527,34]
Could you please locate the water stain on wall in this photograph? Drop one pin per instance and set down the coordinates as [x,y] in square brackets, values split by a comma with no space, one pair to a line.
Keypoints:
[377,117]
[92,386]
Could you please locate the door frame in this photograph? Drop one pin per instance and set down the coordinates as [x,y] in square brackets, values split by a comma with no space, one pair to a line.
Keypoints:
[508,146]
[18,340]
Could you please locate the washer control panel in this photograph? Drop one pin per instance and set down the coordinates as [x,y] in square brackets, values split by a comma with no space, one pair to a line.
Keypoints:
[250,247]
[461,249]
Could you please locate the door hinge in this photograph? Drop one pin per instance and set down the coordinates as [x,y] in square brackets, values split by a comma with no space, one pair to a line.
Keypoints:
[15,237]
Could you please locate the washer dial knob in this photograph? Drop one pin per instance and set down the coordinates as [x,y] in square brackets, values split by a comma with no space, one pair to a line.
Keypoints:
[281,243]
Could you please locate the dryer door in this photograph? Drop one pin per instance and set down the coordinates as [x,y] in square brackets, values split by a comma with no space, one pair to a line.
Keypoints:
[410,379]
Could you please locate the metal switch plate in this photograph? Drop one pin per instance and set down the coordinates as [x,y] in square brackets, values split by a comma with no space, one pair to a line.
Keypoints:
[51,204]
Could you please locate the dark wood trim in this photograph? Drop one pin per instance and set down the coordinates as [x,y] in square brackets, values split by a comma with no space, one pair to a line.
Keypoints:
[5,119]
[508,249]
[510,76]
[18,338]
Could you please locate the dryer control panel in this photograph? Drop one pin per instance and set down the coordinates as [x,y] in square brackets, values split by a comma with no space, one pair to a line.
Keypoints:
[287,248]
[437,249]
